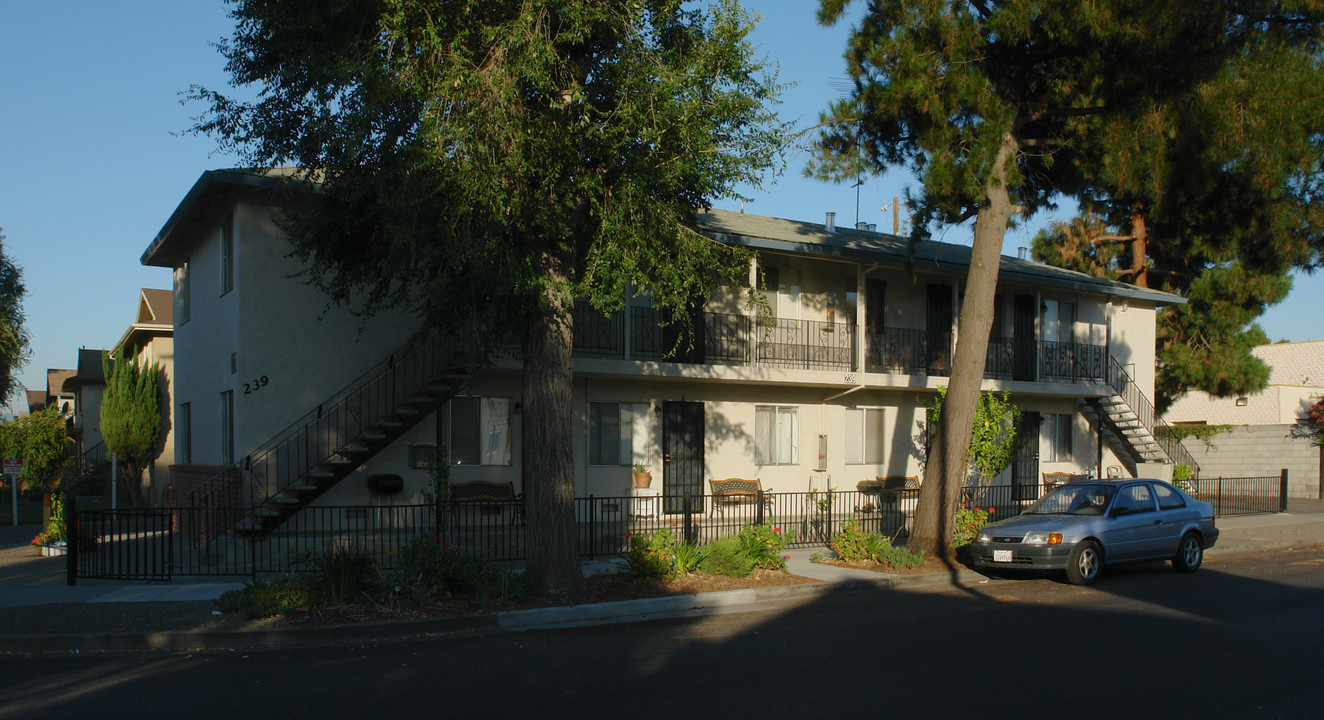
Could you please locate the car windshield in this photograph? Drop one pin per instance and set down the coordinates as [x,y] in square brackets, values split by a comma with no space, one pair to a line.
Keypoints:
[1082,499]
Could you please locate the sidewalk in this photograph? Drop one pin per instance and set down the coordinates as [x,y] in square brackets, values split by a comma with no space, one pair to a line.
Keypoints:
[101,615]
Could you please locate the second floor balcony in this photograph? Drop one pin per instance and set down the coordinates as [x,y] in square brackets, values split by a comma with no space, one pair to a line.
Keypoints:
[790,344]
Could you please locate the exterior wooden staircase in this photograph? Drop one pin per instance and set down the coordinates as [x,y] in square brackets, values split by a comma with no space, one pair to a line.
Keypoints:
[316,452]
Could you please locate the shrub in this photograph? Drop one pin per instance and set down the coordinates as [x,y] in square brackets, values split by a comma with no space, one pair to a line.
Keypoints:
[763,545]
[855,544]
[425,568]
[260,599]
[727,556]
[967,524]
[340,573]
[688,556]
[651,555]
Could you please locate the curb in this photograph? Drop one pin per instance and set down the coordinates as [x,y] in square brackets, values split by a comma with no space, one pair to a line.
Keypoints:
[332,635]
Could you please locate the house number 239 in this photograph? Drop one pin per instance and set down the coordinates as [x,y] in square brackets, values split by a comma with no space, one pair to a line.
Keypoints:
[258,384]
[850,378]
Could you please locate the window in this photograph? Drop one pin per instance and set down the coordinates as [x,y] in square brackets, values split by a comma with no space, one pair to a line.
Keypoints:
[181,292]
[184,434]
[420,455]
[775,433]
[1136,498]
[864,436]
[1167,499]
[1055,437]
[1058,318]
[227,255]
[617,433]
[227,427]
[479,431]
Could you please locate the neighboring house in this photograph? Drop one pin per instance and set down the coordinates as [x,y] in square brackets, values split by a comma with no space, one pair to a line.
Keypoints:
[305,403]
[151,339]
[56,395]
[1263,432]
[88,387]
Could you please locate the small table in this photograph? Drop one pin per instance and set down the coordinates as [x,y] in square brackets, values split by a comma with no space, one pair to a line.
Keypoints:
[644,502]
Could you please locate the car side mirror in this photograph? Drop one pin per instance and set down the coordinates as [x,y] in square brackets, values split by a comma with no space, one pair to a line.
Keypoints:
[1119,511]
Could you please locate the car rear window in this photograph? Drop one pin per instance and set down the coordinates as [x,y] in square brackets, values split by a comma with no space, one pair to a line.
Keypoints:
[1168,499]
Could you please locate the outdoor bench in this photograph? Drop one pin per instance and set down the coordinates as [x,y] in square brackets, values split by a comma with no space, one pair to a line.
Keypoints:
[489,497]
[735,491]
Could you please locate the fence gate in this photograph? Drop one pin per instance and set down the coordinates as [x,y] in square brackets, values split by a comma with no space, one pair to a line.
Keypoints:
[122,544]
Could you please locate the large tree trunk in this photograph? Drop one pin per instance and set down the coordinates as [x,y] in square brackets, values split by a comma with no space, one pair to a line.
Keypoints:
[945,471]
[548,467]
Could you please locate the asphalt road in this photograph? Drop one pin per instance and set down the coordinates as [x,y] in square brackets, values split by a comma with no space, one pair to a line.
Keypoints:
[1240,638]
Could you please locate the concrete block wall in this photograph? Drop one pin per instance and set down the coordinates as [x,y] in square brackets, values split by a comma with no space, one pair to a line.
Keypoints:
[1258,451]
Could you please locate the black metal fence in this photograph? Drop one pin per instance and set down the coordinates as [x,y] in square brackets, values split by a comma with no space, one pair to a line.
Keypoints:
[156,544]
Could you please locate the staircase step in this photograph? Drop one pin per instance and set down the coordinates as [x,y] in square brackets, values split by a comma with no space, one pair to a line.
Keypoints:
[300,488]
[286,500]
[266,512]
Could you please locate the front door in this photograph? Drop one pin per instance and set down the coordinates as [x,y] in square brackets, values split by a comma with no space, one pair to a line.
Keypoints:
[1025,469]
[682,455]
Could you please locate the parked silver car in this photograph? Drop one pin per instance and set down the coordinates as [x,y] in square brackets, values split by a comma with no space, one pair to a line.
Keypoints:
[1082,526]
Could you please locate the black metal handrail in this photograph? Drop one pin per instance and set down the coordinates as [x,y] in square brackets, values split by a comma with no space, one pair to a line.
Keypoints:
[1121,382]
[324,433]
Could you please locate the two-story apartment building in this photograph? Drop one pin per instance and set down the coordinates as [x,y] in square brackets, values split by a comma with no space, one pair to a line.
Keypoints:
[305,402]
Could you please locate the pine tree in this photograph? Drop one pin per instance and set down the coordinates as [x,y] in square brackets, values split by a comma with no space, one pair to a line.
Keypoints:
[131,415]
[997,108]
[1214,195]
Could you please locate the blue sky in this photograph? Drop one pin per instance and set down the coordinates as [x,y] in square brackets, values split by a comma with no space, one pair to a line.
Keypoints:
[93,159]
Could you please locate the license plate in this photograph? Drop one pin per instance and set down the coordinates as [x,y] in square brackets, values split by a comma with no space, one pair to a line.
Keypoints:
[1001,556]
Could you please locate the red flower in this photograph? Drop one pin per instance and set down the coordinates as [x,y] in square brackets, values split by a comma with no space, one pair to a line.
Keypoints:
[788,557]
[990,511]
[629,534]
[776,530]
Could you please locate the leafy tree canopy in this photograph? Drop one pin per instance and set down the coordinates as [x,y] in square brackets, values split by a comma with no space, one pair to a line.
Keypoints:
[486,164]
[39,440]
[13,336]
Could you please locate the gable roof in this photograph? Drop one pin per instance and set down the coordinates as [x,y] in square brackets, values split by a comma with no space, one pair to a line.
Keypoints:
[200,204]
[803,238]
[156,307]
[89,370]
[155,318]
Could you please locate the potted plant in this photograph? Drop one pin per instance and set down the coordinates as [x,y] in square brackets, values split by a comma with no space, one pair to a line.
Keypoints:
[642,478]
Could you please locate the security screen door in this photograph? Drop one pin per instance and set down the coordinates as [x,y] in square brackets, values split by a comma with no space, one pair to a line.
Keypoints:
[682,455]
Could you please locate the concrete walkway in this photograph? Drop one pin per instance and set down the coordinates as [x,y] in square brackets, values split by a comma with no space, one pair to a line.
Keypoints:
[116,615]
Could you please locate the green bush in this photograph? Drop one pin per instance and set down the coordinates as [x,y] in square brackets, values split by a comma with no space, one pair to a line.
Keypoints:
[967,524]
[688,557]
[424,568]
[855,544]
[651,555]
[763,544]
[727,556]
[340,573]
[285,596]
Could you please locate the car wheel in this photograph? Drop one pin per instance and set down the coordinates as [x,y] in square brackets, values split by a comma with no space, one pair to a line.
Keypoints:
[1086,561]
[1190,553]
